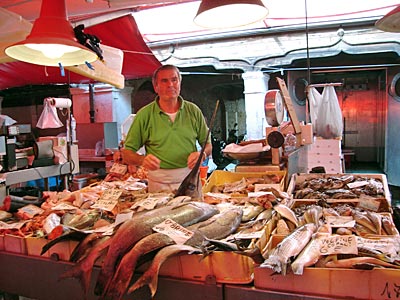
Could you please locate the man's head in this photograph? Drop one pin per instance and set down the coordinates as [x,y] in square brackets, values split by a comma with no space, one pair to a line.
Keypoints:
[167,81]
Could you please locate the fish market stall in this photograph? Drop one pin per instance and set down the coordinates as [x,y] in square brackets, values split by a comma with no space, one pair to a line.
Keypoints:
[74,239]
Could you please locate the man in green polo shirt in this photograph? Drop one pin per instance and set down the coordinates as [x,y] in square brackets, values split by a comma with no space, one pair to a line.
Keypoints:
[168,128]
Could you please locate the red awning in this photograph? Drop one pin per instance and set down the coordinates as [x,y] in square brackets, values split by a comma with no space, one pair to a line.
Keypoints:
[121,33]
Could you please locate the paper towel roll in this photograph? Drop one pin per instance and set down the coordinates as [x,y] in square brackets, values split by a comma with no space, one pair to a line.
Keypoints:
[43,149]
[61,102]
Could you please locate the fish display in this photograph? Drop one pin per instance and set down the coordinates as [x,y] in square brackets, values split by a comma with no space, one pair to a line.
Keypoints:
[289,247]
[217,227]
[138,227]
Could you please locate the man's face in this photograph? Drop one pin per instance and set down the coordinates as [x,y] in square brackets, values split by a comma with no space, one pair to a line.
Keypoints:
[168,84]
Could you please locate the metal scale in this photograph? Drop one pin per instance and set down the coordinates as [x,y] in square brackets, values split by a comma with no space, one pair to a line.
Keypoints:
[275,102]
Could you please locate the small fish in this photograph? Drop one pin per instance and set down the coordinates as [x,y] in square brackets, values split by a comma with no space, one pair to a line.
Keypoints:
[4,215]
[349,263]
[289,247]
[287,213]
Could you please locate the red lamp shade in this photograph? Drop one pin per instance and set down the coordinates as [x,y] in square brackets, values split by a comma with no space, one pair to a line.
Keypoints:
[390,22]
[229,13]
[52,40]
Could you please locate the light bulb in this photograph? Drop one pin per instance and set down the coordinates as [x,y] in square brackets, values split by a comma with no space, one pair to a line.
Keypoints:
[53,51]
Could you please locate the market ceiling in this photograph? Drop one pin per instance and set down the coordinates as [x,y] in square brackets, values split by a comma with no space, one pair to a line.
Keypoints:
[117,24]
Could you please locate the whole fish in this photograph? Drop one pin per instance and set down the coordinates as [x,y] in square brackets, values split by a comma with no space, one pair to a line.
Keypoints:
[83,248]
[355,262]
[191,184]
[71,235]
[309,255]
[217,227]
[289,247]
[150,277]
[138,227]
[286,213]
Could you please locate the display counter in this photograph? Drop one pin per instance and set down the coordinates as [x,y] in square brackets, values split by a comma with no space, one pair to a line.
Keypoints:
[37,278]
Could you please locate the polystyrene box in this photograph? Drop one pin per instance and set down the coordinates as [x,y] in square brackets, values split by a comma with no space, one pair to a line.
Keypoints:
[385,200]
[34,246]
[379,283]
[219,177]
[1,242]
[15,244]
[226,267]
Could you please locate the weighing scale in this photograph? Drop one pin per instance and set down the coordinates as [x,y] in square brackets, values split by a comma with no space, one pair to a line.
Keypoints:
[275,102]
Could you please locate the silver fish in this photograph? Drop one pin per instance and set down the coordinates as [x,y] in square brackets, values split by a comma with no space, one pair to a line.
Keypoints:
[309,255]
[138,227]
[289,247]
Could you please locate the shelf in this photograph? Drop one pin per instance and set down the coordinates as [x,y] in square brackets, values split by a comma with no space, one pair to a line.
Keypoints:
[24,175]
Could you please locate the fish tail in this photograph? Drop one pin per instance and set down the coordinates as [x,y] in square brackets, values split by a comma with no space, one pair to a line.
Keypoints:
[151,280]
[117,286]
[81,273]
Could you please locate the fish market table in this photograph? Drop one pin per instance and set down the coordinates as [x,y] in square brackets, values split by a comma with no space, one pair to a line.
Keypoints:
[37,278]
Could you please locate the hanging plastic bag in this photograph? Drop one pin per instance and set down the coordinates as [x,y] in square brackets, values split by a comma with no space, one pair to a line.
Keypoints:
[329,118]
[49,117]
[315,99]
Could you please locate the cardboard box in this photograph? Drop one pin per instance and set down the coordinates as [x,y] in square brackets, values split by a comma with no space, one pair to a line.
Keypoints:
[1,242]
[225,267]
[219,177]
[385,200]
[379,283]
[34,246]
[15,244]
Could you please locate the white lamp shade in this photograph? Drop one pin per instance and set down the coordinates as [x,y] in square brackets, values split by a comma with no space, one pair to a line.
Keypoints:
[229,13]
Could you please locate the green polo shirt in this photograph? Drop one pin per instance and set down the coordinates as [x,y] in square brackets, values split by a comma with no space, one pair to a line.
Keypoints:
[171,142]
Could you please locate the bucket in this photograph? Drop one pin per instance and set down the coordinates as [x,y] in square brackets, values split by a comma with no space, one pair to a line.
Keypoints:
[80,181]
[203,174]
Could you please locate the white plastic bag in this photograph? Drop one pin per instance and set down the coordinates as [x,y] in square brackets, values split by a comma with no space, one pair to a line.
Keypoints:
[49,117]
[315,99]
[329,118]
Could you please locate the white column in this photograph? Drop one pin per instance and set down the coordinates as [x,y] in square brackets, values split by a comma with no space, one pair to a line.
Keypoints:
[255,87]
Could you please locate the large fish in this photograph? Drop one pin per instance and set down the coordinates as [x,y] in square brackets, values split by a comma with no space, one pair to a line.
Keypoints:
[83,269]
[309,255]
[289,247]
[71,235]
[191,184]
[136,228]
[217,227]
[150,277]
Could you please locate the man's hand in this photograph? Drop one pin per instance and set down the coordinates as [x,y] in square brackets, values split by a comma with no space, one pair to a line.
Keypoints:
[192,159]
[150,162]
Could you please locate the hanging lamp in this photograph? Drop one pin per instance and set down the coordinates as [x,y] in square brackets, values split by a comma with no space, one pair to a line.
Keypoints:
[51,41]
[390,22]
[229,13]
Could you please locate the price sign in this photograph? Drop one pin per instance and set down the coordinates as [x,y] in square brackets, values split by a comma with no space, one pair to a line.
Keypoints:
[119,169]
[31,210]
[369,203]
[340,221]
[338,244]
[108,200]
[63,206]
[175,231]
